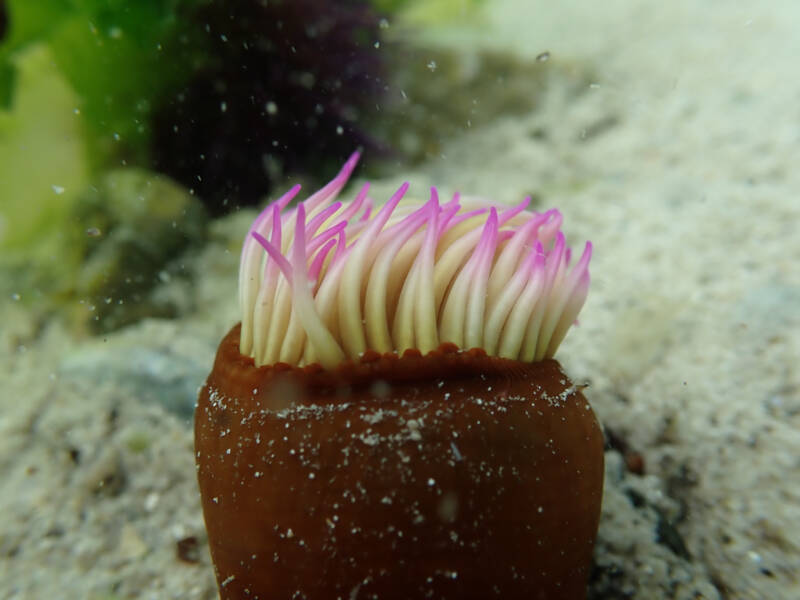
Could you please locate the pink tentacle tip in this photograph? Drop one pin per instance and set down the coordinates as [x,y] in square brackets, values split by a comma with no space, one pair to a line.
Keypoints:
[275,254]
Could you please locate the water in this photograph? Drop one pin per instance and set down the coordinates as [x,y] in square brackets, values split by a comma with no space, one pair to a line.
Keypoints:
[139,141]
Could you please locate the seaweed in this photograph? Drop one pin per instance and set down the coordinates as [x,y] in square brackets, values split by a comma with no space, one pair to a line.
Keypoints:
[112,54]
[287,87]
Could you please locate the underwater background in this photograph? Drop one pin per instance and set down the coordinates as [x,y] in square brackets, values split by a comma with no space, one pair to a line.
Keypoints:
[138,140]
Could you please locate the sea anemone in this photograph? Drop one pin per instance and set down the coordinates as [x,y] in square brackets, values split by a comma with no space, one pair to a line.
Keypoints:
[388,421]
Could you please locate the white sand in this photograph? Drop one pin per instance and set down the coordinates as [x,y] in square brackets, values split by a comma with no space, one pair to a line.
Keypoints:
[680,163]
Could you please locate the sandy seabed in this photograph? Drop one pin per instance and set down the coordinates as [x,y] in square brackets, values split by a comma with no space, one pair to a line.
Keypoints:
[679,161]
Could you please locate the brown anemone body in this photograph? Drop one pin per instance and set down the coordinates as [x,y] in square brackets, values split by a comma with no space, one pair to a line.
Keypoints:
[451,475]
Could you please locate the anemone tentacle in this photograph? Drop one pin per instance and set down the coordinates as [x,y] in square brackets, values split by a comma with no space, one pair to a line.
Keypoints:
[328,280]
